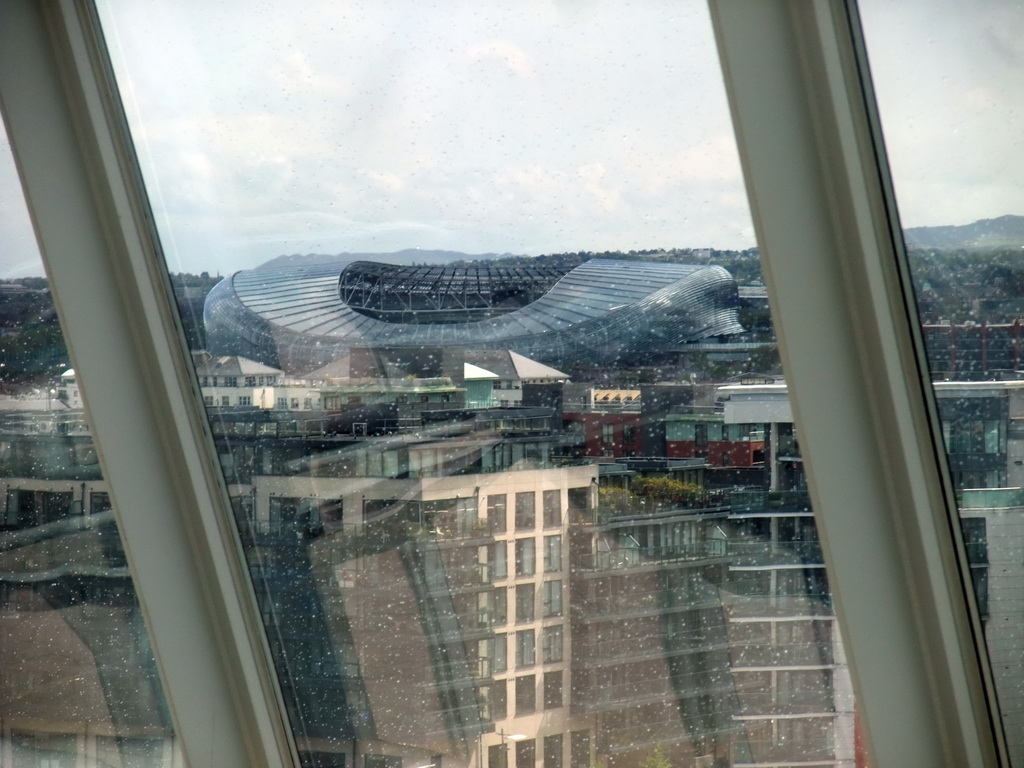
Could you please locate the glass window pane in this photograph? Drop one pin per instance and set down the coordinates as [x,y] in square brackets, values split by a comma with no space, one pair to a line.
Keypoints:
[553,689]
[526,648]
[552,509]
[513,288]
[553,751]
[552,644]
[496,512]
[526,695]
[524,602]
[500,653]
[579,749]
[526,753]
[552,553]
[526,557]
[551,598]
[525,514]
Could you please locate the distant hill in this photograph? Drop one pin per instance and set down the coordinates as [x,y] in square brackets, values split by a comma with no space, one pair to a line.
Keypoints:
[1003,232]
[408,257]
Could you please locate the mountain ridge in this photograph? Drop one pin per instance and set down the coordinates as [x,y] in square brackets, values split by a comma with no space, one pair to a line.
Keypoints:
[984,234]
[405,257]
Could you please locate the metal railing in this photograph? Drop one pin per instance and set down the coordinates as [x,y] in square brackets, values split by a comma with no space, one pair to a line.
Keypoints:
[631,558]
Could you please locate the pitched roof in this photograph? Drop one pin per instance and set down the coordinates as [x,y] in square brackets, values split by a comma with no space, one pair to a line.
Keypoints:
[336,369]
[531,369]
[233,365]
[510,366]
[475,372]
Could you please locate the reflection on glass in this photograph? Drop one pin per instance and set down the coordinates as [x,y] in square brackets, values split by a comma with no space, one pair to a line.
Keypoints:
[498,510]
[78,682]
[948,86]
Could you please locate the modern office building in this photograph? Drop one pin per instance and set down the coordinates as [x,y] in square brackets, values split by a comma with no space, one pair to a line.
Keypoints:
[993,527]
[603,311]
[651,657]
[973,351]
[435,588]
[983,432]
[417,583]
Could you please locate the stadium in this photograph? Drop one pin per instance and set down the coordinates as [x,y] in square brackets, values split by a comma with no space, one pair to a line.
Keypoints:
[603,311]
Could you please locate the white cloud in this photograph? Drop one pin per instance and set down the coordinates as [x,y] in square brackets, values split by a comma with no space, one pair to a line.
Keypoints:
[949,78]
[19,253]
[511,56]
[531,126]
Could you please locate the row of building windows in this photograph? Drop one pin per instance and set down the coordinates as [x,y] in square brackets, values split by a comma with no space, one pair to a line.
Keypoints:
[525,687]
[246,401]
[551,600]
[526,646]
[525,510]
[526,559]
[526,752]
[232,381]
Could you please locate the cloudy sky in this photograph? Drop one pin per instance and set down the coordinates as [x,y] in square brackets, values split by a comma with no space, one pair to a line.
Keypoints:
[532,126]
[949,77]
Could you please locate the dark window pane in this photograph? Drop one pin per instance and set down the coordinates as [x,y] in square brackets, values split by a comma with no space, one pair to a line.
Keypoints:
[553,690]
[552,553]
[526,753]
[499,699]
[553,751]
[579,749]
[552,598]
[526,695]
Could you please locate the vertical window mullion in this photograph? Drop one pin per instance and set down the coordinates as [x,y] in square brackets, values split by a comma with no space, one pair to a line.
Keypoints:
[112,295]
[825,226]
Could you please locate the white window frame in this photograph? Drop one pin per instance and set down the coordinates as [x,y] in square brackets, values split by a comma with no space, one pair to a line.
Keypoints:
[822,206]
[113,296]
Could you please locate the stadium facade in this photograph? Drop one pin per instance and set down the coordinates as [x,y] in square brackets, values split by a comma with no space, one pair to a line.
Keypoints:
[603,311]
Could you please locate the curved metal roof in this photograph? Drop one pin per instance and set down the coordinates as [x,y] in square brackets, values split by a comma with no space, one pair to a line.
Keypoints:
[602,310]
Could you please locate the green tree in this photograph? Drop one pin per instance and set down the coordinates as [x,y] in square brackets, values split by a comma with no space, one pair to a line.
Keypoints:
[665,489]
[656,759]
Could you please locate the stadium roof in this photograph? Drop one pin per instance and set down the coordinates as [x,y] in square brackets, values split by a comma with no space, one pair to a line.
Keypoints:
[600,311]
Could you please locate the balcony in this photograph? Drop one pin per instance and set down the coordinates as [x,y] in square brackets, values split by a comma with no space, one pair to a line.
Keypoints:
[777,606]
[650,648]
[794,655]
[625,507]
[639,605]
[623,559]
[768,553]
[747,502]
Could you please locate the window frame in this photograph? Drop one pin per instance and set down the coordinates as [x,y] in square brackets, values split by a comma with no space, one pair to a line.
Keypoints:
[113,296]
[834,264]
[823,210]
